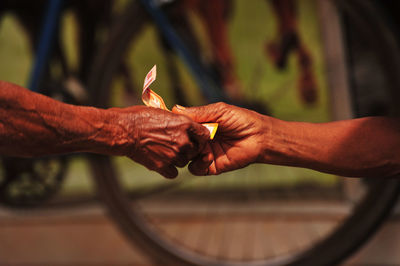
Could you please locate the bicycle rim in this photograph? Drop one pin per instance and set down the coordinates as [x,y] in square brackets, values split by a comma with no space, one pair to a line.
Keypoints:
[130,215]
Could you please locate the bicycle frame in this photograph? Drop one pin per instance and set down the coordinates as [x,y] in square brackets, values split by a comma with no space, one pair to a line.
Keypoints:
[49,28]
[208,86]
[46,42]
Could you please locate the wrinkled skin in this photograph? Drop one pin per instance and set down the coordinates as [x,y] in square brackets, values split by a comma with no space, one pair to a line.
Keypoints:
[32,124]
[363,147]
[238,142]
[162,139]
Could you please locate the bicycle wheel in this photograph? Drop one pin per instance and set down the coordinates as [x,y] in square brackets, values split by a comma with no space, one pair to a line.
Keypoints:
[28,183]
[247,217]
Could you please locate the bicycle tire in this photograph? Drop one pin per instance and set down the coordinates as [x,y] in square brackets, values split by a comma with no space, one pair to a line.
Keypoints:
[356,229]
[24,184]
[29,183]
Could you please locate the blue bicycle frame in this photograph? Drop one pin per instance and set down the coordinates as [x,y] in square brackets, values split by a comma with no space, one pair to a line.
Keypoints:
[208,86]
[49,29]
[46,42]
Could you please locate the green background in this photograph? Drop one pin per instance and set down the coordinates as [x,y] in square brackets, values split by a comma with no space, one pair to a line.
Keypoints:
[252,25]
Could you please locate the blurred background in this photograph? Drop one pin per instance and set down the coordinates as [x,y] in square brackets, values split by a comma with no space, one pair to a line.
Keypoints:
[310,60]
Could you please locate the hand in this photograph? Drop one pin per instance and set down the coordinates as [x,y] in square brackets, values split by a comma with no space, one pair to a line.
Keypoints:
[160,140]
[237,143]
[32,124]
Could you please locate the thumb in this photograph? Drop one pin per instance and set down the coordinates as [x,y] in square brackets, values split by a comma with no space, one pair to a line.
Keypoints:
[206,113]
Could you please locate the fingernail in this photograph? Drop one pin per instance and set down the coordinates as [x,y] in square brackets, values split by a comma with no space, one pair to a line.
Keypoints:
[180,107]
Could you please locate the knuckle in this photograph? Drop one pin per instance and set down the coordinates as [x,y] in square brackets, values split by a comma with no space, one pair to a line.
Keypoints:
[157,165]
[175,149]
[220,105]
[183,143]
[171,154]
[185,121]
[185,126]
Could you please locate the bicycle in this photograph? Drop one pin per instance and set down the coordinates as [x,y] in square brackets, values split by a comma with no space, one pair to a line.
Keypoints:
[25,182]
[140,224]
[148,225]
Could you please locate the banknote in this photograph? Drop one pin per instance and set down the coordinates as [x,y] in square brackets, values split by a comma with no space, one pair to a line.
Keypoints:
[149,97]
[152,99]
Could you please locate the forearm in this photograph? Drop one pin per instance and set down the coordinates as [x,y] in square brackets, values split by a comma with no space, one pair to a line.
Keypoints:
[33,125]
[360,147]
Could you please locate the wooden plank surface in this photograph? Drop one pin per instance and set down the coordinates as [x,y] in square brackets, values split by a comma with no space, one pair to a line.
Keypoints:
[86,236]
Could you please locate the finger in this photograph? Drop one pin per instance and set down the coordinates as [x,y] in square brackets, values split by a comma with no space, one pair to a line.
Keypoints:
[212,168]
[168,171]
[200,165]
[207,113]
[170,157]
[159,165]
[199,135]
[186,155]
[181,161]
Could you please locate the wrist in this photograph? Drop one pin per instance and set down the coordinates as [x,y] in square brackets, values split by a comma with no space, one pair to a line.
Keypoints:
[266,129]
[278,146]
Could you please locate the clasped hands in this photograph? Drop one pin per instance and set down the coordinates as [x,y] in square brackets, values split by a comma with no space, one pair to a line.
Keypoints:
[166,140]
[33,125]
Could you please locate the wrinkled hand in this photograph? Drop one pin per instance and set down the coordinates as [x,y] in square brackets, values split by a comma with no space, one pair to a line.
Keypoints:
[162,140]
[238,142]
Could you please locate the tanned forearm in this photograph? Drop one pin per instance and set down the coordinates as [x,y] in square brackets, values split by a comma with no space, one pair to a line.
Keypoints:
[365,147]
[33,125]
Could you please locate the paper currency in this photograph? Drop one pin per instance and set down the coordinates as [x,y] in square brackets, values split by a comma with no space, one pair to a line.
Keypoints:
[149,97]
[152,99]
